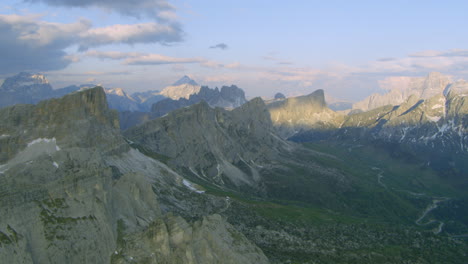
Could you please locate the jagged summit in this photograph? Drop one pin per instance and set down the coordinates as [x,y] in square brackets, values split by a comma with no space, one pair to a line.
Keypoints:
[185,80]
[400,88]
[216,142]
[227,97]
[279,96]
[23,79]
[303,112]
[183,88]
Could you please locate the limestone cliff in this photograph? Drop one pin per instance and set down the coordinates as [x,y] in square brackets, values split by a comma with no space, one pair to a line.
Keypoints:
[295,114]
[216,145]
[400,88]
[73,191]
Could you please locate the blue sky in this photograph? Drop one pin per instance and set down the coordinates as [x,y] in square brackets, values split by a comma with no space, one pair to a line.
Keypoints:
[346,48]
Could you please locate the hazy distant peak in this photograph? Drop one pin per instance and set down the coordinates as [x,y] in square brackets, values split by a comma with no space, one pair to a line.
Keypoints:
[280,96]
[185,80]
[319,94]
[116,91]
[24,79]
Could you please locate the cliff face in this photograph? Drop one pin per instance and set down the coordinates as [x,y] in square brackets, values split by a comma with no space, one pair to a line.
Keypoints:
[214,144]
[295,114]
[27,88]
[73,191]
[423,88]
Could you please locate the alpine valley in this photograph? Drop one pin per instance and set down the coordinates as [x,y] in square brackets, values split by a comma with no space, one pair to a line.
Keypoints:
[192,174]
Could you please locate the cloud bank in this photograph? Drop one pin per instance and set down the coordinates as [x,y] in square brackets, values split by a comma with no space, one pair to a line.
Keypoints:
[29,44]
[160,10]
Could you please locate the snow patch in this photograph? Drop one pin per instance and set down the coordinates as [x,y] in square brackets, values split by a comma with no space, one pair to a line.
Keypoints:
[433,118]
[55,165]
[39,140]
[4,136]
[190,186]
[437,106]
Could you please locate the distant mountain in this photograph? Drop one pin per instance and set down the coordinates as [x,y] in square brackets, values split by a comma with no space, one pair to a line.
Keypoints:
[295,114]
[185,80]
[336,104]
[27,88]
[279,96]
[228,97]
[403,87]
[147,99]
[183,88]
[119,100]
[433,131]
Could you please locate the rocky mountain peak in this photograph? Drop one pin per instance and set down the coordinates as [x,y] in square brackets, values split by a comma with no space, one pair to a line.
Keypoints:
[116,91]
[183,88]
[303,112]
[185,80]
[434,84]
[280,96]
[231,91]
[25,79]
[459,87]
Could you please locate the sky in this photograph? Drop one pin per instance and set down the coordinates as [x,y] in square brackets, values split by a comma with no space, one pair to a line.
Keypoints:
[348,48]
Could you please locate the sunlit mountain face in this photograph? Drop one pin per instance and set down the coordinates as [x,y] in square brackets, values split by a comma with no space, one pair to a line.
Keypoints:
[160,131]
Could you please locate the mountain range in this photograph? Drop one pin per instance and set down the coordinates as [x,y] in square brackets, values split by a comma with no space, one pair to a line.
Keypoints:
[282,181]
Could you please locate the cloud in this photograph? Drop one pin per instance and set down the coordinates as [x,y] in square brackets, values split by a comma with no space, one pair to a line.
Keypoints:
[113,55]
[29,44]
[222,46]
[435,53]
[136,58]
[277,60]
[89,73]
[211,64]
[130,34]
[157,59]
[160,10]
[164,29]
[386,59]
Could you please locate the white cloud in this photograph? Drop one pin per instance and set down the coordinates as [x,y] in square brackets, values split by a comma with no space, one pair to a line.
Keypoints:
[160,10]
[136,58]
[29,44]
[129,34]
[157,59]
[435,53]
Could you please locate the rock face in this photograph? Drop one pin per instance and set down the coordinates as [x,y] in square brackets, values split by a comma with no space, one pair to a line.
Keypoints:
[438,122]
[433,131]
[295,114]
[119,100]
[147,99]
[279,96]
[228,97]
[215,145]
[73,191]
[183,88]
[173,240]
[27,88]
[423,88]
